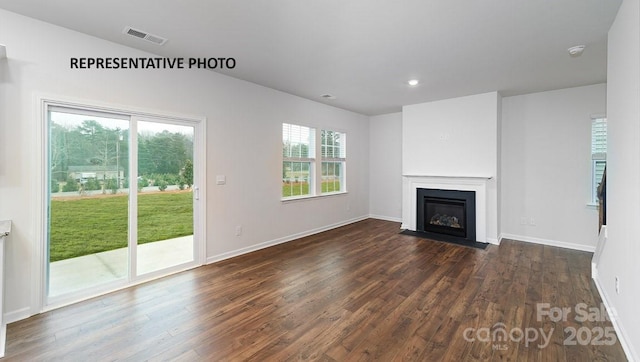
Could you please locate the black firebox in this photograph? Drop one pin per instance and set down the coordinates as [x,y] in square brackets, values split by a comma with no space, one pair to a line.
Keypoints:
[447,212]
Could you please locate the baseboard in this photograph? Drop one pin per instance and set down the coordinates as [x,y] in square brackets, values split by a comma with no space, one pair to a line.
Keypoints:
[630,352]
[559,244]
[494,241]
[602,239]
[17,315]
[3,339]
[386,218]
[266,244]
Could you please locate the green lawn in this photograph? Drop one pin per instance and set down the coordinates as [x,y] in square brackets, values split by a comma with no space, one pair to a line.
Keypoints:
[299,188]
[295,189]
[94,224]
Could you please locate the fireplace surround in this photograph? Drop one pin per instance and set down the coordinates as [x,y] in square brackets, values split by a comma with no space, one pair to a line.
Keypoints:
[478,184]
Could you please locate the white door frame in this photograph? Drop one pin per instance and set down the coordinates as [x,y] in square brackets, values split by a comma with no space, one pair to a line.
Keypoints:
[39,284]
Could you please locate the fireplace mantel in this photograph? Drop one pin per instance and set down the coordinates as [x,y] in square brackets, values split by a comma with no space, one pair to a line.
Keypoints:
[450,176]
[476,183]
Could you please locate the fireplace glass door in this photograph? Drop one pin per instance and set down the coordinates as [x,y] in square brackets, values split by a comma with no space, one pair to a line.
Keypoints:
[445,216]
[447,212]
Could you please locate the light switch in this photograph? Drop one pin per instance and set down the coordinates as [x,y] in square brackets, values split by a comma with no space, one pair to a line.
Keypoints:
[221,180]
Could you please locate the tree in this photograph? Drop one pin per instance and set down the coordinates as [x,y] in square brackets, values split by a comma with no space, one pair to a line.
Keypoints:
[163,152]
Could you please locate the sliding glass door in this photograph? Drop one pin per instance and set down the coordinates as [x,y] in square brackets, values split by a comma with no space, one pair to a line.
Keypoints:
[120,200]
[88,212]
[165,201]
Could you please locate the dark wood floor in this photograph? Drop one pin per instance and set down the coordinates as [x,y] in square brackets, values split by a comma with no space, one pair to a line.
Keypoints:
[360,292]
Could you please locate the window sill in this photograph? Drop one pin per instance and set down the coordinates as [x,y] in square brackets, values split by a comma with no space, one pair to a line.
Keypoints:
[311,197]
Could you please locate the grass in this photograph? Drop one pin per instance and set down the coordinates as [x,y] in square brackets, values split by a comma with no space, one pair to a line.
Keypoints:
[295,189]
[90,225]
[300,188]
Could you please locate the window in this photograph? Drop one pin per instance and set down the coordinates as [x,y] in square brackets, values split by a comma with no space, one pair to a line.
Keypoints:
[298,156]
[301,175]
[598,153]
[333,161]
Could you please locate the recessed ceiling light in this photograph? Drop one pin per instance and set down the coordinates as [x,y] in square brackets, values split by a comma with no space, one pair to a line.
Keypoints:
[413,82]
[576,51]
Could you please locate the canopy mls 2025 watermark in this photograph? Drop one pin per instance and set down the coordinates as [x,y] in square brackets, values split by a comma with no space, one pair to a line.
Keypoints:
[499,334]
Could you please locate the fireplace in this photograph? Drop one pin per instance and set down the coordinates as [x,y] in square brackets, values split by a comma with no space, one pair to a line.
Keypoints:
[447,212]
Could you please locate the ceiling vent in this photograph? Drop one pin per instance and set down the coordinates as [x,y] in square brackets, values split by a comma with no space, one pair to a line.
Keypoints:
[158,40]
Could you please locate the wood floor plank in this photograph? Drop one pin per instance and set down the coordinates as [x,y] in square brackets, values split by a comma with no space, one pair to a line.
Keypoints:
[359,292]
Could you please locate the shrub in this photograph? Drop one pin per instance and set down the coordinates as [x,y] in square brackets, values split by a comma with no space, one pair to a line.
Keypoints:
[55,186]
[182,183]
[154,179]
[112,185]
[162,185]
[142,182]
[92,184]
[171,179]
[70,185]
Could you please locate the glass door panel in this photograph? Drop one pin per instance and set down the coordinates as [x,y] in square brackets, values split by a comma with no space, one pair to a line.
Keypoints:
[165,217]
[87,199]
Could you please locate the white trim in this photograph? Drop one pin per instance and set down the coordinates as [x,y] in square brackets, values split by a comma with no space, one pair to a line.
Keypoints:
[310,197]
[386,218]
[494,241]
[3,322]
[132,242]
[602,239]
[623,337]
[3,338]
[200,191]
[556,243]
[17,315]
[266,244]
[593,206]
[98,106]
[480,177]
[39,256]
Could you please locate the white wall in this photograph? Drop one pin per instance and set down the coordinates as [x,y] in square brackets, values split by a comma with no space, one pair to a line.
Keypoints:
[621,251]
[452,137]
[385,166]
[243,143]
[546,166]
[455,137]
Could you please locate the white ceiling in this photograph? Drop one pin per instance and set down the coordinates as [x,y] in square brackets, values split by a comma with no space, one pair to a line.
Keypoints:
[364,51]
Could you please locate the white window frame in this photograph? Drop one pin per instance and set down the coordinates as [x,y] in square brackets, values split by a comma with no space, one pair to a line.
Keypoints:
[342,160]
[315,159]
[310,159]
[597,120]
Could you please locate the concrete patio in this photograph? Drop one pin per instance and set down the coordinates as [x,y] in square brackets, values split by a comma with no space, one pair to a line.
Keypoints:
[75,274]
